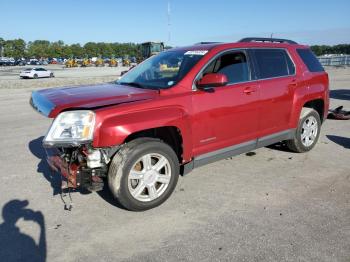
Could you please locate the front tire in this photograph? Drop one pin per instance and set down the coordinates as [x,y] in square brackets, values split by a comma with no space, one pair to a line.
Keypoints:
[143,174]
[307,133]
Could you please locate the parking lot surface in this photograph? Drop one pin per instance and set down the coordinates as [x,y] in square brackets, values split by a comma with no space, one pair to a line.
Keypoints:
[9,76]
[271,206]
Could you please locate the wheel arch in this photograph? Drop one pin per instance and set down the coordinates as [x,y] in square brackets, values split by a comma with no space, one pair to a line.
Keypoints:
[170,135]
[317,105]
[302,101]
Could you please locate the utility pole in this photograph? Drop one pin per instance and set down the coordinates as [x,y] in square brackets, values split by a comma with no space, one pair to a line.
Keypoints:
[169,36]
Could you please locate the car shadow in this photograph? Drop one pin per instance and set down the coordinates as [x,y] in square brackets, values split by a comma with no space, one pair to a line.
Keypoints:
[341,94]
[340,140]
[15,245]
[106,195]
[36,148]
[280,146]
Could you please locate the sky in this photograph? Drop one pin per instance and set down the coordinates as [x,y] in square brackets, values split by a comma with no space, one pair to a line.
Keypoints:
[78,21]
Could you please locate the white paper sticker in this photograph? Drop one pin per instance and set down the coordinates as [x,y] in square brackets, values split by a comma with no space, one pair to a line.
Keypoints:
[196,52]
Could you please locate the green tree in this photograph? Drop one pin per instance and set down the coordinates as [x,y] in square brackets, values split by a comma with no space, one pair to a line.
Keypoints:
[326,49]
[56,49]
[105,49]
[2,42]
[67,51]
[77,50]
[91,49]
[14,48]
[39,49]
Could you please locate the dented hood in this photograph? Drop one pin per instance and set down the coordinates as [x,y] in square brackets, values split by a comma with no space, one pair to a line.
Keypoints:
[51,102]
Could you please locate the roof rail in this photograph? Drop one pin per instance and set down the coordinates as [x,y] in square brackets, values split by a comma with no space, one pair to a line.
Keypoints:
[266,39]
[206,43]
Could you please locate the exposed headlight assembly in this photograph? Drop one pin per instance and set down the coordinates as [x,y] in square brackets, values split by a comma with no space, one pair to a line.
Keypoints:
[71,128]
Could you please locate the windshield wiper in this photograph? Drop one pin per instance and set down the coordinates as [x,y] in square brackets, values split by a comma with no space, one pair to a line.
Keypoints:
[134,84]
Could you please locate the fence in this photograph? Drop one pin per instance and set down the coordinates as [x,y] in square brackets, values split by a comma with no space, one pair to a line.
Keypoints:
[340,60]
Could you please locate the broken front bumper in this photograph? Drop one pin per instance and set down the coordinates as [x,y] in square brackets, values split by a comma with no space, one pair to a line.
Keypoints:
[72,165]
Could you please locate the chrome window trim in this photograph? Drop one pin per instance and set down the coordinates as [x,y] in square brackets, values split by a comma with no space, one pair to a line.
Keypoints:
[194,88]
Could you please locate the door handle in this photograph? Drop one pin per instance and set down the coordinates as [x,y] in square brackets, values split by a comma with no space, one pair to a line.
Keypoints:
[293,83]
[249,90]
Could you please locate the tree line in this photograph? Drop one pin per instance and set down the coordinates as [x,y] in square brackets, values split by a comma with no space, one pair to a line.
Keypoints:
[335,49]
[18,48]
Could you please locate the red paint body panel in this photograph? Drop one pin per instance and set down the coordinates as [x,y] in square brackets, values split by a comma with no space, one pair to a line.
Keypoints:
[207,121]
[91,96]
[223,118]
[114,124]
[276,101]
[213,80]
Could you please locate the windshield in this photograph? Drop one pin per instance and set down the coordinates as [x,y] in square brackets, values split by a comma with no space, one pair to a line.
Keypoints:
[163,70]
[156,47]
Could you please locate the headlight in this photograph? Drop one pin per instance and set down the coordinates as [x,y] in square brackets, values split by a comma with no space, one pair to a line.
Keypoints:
[72,127]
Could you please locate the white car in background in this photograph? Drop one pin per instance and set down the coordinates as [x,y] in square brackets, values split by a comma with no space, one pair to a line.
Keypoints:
[35,73]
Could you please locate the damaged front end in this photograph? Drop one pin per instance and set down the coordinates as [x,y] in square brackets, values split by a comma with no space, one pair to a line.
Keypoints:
[81,166]
[69,149]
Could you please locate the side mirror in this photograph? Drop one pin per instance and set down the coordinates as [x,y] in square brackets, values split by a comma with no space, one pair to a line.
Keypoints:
[208,81]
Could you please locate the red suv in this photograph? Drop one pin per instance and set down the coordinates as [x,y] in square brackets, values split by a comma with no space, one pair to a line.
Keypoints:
[181,109]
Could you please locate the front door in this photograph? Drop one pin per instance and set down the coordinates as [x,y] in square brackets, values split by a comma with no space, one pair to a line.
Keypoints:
[228,115]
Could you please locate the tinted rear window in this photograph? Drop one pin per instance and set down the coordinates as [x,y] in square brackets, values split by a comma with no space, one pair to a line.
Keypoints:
[310,60]
[273,63]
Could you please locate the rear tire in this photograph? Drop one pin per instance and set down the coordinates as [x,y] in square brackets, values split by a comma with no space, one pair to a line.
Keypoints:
[140,184]
[307,133]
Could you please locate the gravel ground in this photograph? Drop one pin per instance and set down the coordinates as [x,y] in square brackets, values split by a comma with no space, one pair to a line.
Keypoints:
[272,206]
[9,76]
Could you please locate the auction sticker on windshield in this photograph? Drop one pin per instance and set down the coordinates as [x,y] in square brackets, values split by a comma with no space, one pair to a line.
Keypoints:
[196,52]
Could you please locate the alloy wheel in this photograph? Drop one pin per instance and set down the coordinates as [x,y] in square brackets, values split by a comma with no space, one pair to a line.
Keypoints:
[149,177]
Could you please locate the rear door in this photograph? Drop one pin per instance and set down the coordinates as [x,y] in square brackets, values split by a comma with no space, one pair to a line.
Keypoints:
[277,80]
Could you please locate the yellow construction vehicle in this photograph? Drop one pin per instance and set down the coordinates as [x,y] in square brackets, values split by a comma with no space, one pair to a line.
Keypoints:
[85,62]
[113,62]
[126,62]
[99,62]
[71,63]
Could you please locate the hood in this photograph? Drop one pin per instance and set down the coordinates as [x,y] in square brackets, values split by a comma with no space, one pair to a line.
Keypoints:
[51,102]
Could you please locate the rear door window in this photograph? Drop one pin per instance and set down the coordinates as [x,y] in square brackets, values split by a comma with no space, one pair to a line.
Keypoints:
[273,63]
[310,60]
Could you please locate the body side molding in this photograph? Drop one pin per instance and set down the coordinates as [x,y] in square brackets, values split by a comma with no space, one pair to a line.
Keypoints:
[238,149]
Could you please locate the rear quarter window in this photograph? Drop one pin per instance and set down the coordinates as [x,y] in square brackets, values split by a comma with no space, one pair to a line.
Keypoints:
[310,60]
[273,63]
